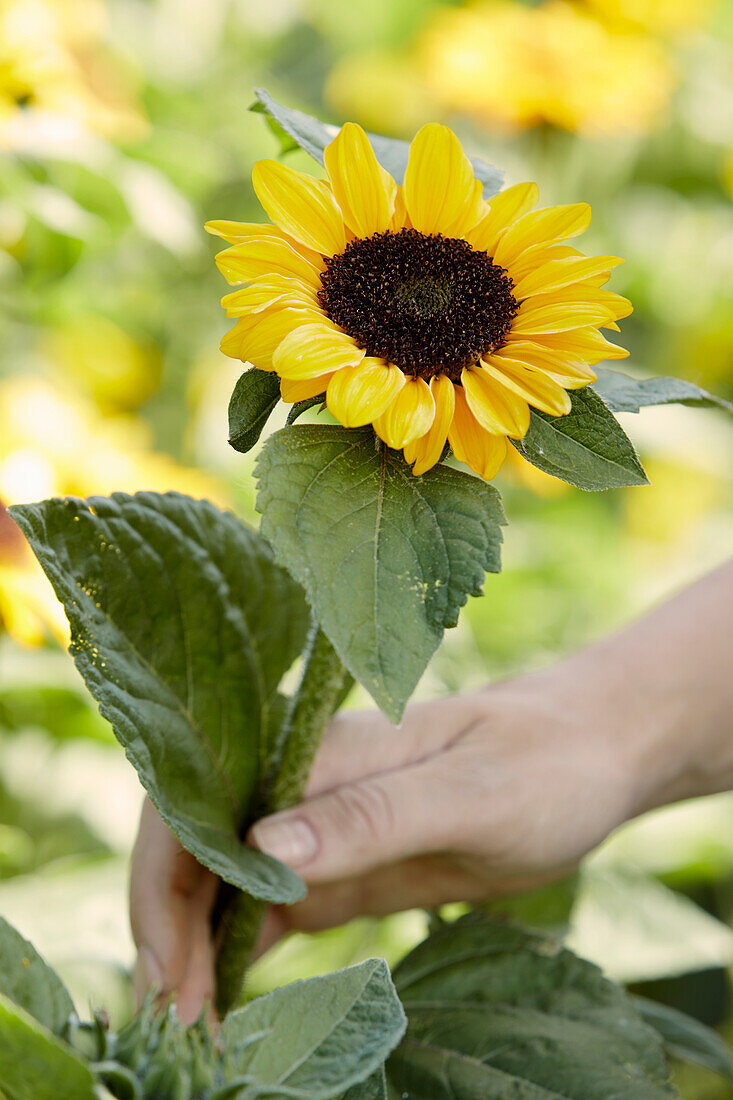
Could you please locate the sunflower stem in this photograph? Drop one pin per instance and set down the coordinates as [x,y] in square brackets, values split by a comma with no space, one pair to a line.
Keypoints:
[323,686]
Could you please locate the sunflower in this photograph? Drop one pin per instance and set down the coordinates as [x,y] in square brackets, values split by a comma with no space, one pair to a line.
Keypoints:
[422,309]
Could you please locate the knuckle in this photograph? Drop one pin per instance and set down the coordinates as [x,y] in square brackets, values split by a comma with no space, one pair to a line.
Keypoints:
[366,810]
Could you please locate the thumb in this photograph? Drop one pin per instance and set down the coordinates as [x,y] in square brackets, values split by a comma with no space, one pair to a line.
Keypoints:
[360,826]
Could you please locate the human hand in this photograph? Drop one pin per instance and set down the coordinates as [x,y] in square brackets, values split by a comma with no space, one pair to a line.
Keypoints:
[473,796]
[171,901]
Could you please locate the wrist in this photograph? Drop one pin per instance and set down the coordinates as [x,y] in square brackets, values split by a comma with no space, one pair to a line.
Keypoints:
[652,723]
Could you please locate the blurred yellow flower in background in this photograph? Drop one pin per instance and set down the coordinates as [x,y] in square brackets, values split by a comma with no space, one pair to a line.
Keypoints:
[382,89]
[523,473]
[54,444]
[656,16]
[105,362]
[55,65]
[513,66]
[29,611]
[677,488]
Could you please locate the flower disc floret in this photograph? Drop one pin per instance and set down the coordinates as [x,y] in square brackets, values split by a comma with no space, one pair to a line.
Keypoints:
[427,303]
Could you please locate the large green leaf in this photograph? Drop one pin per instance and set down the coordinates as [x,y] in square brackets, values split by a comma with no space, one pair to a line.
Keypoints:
[686,1038]
[29,982]
[497,1011]
[182,626]
[434,1072]
[587,448]
[374,1088]
[256,394]
[313,135]
[316,1038]
[622,393]
[387,559]
[34,1064]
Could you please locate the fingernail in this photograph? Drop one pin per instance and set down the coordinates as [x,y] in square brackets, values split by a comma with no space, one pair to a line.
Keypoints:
[151,972]
[289,839]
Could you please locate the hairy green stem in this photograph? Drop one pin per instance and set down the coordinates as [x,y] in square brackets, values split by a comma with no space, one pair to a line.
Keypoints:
[323,686]
[320,692]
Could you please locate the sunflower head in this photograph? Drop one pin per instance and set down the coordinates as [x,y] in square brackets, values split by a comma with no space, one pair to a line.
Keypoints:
[420,308]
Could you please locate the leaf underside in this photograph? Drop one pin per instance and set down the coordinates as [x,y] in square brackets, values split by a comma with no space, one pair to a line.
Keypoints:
[622,393]
[686,1038]
[34,1064]
[255,396]
[317,1038]
[182,626]
[495,1010]
[374,1088]
[299,407]
[587,448]
[29,982]
[313,135]
[387,559]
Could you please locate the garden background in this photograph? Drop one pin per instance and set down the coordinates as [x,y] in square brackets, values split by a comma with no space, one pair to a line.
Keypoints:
[124,125]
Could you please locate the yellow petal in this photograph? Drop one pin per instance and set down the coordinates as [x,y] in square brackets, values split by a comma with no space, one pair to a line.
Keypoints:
[573,375]
[597,280]
[426,451]
[557,316]
[365,192]
[584,294]
[439,180]
[514,201]
[496,407]
[561,273]
[612,325]
[409,416]
[567,369]
[504,209]
[255,338]
[400,219]
[268,292]
[536,387]
[555,223]
[306,388]
[538,255]
[315,349]
[357,395]
[258,256]
[586,343]
[236,232]
[302,206]
[620,306]
[471,213]
[482,451]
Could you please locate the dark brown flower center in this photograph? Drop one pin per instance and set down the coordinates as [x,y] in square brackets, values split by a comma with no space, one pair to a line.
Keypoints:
[430,304]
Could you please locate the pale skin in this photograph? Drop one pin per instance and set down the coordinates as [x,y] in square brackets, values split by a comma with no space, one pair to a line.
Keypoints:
[474,796]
